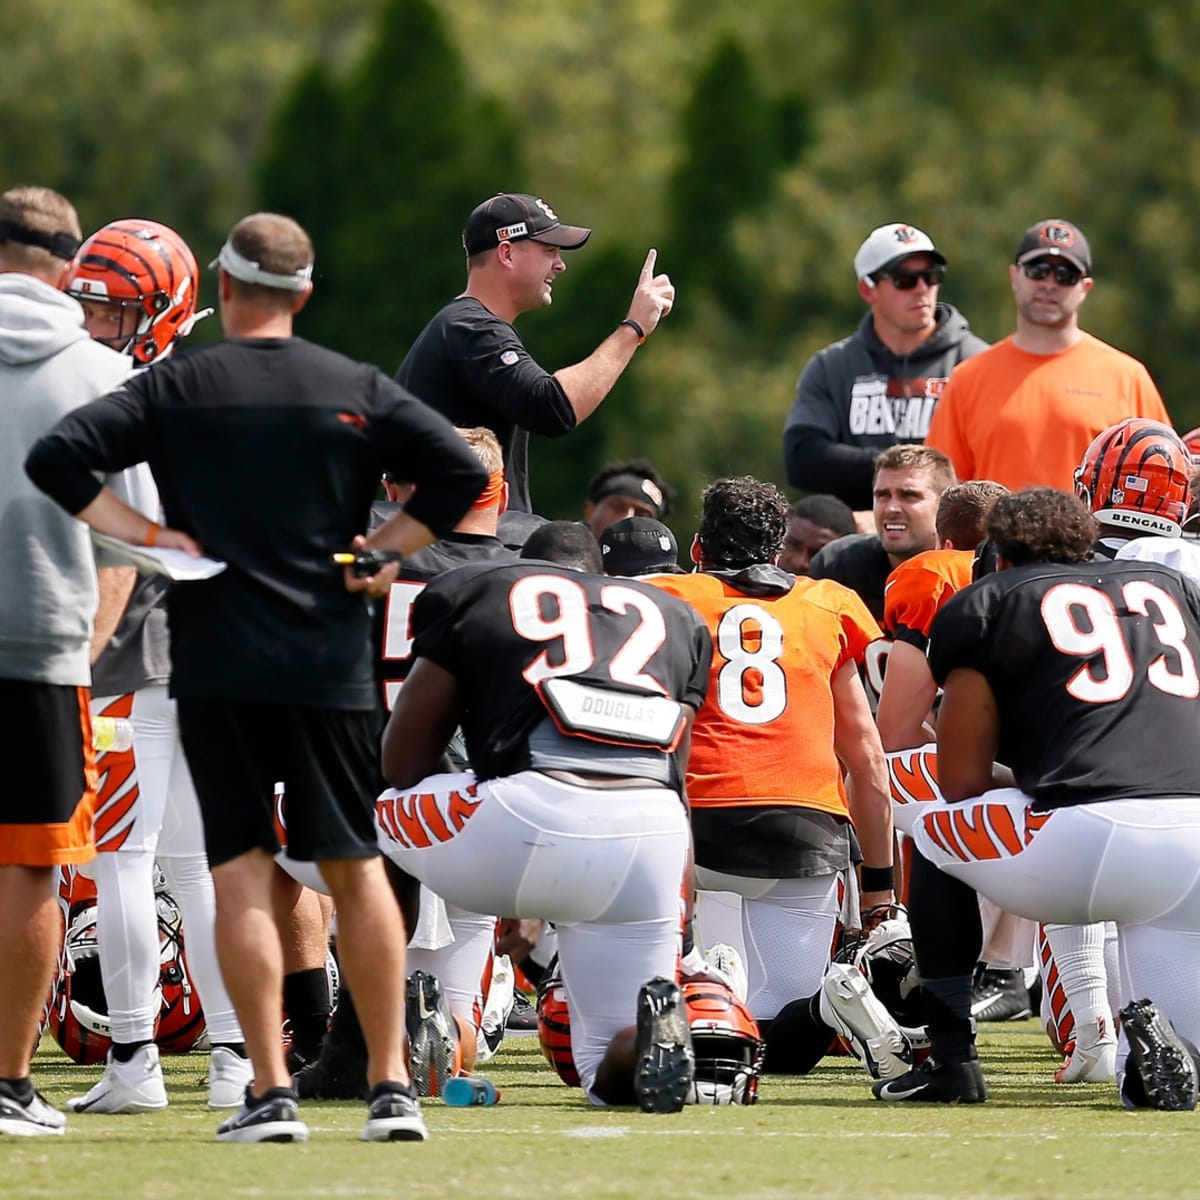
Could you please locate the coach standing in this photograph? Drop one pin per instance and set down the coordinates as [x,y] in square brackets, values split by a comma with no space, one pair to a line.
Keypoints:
[469,363]
[48,366]
[267,451]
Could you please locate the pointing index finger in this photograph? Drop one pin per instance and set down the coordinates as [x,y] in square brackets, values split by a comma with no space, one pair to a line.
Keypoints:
[648,265]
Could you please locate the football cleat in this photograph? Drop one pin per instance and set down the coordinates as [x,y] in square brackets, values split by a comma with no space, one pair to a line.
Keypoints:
[1000,995]
[666,1064]
[523,1016]
[727,963]
[28,1118]
[434,1054]
[1160,1059]
[936,1083]
[1091,1056]
[130,1087]
[394,1115]
[272,1117]
[852,1010]
[338,1073]
[501,996]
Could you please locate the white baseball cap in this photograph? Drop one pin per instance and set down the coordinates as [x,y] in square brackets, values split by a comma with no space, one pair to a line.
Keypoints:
[891,242]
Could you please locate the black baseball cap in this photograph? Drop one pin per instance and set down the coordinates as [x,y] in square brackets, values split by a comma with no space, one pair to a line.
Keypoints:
[1055,238]
[511,216]
[638,546]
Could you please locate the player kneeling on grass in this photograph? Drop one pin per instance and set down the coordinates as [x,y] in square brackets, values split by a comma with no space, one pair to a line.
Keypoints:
[575,693]
[1082,676]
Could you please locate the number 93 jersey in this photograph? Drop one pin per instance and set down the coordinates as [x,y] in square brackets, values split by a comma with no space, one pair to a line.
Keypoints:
[1094,670]
[502,629]
[765,734]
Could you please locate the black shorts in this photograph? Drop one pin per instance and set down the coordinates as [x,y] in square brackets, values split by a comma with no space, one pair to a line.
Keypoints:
[770,841]
[47,803]
[326,758]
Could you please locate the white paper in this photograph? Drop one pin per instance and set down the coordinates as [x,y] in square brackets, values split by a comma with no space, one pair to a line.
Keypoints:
[176,565]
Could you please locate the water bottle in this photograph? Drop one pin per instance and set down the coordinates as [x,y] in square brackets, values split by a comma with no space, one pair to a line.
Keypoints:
[111,733]
[466,1090]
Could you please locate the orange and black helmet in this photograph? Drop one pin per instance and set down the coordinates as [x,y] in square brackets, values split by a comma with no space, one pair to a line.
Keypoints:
[147,272]
[1136,475]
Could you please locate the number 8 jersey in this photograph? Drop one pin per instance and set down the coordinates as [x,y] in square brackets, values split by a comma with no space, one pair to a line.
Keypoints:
[765,733]
[1094,671]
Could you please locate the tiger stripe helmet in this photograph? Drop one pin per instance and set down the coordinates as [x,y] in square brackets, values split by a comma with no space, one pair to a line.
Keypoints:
[1191,440]
[148,272]
[1136,475]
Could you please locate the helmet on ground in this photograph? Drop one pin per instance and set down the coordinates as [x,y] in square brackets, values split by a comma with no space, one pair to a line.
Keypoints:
[728,1046]
[1137,475]
[554,1027]
[145,279]
[77,1014]
[884,954]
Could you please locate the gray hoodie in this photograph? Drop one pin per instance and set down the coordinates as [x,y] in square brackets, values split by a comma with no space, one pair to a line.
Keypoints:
[857,397]
[48,366]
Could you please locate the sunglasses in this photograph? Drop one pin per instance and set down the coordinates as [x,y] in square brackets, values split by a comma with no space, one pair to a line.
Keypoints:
[1065,275]
[905,281]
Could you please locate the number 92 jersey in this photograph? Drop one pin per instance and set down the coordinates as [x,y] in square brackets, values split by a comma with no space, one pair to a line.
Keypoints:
[765,734]
[1094,671]
[503,628]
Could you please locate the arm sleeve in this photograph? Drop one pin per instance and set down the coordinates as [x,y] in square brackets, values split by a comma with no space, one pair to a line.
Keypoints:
[499,370]
[959,634]
[859,628]
[814,458]
[102,437]
[420,445]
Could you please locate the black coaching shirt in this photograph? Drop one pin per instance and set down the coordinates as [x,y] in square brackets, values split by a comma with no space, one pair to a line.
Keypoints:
[268,451]
[1096,673]
[499,628]
[471,366]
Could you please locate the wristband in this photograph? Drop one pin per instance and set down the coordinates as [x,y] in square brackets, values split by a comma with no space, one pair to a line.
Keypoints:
[877,879]
[641,333]
[152,533]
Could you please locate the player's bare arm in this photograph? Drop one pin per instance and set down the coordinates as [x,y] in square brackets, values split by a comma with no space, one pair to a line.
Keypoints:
[968,735]
[421,724]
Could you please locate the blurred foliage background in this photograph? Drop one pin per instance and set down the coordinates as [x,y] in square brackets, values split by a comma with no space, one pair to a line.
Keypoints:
[754,142]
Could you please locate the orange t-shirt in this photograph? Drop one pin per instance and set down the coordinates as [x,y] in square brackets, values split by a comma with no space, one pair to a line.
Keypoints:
[918,588]
[1026,419]
[765,733]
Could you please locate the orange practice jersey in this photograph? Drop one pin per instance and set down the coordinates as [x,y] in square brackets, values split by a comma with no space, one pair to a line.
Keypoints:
[765,733]
[918,588]
[1025,419]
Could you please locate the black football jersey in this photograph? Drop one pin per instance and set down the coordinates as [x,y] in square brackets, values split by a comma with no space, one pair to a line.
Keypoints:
[500,629]
[1095,672]
[392,617]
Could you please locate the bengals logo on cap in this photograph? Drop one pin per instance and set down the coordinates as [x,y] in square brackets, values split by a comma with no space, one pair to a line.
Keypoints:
[1061,236]
[906,234]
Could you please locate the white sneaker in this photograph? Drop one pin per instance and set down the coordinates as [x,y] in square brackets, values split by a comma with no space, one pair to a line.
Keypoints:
[1092,1057]
[28,1118]
[228,1077]
[132,1087]
[727,962]
[852,1010]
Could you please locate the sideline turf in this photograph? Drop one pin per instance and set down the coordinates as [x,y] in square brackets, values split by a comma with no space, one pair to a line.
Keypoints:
[819,1136]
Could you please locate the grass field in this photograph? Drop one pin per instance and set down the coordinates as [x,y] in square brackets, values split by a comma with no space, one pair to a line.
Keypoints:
[818,1136]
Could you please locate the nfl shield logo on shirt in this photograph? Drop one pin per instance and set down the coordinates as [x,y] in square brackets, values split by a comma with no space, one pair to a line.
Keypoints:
[509,357]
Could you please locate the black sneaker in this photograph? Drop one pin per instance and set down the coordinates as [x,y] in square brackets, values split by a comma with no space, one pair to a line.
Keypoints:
[337,1074]
[523,1018]
[1000,996]
[666,1064]
[936,1083]
[1160,1059]
[272,1117]
[433,1052]
[28,1118]
[394,1115]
